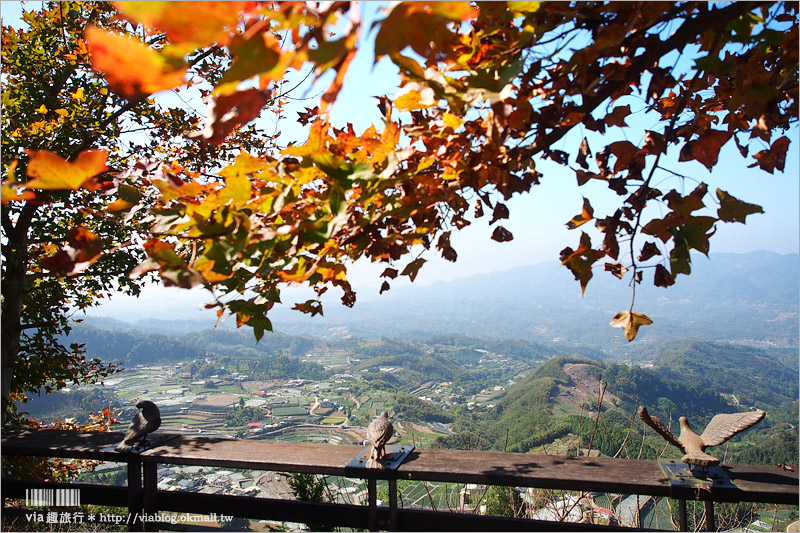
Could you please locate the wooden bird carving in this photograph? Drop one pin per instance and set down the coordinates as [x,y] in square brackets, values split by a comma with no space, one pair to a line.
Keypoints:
[379,432]
[147,420]
[721,428]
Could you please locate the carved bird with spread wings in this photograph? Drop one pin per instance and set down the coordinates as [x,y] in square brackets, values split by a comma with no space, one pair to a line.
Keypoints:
[721,428]
[147,420]
[379,432]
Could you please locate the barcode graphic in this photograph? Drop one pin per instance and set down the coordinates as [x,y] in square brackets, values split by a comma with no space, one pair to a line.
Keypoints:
[52,497]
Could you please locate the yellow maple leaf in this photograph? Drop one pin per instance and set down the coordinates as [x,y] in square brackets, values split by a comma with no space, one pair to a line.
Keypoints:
[630,322]
[51,171]
[10,194]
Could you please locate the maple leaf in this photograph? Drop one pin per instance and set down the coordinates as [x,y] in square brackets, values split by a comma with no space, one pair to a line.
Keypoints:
[194,23]
[649,250]
[583,153]
[83,249]
[734,210]
[412,98]
[256,54]
[585,216]
[421,26]
[412,269]
[629,157]
[309,307]
[501,234]
[499,212]
[580,261]
[309,115]
[385,106]
[559,156]
[774,157]
[443,245]
[461,11]
[341,66]
[630,322]
[706,148]
[131,68]
[654,143]
[173,269]
[523,7]
[583,177]
[10,194]
[617,117]
[662,277]
[390,273]
[52,172]
[228,111]
[616,269]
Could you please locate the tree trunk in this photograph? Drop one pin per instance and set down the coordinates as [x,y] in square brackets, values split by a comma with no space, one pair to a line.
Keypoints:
[15,259]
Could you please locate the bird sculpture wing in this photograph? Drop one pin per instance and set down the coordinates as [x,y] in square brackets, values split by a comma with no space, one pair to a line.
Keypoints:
[152,415]
[656,423]
[723,427]
[136,430]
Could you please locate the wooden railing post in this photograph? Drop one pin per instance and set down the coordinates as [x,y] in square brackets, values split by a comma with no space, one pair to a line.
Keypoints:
[372,501]
[710,525]
[393,505]
[682,526]
[150,491]
[134,494]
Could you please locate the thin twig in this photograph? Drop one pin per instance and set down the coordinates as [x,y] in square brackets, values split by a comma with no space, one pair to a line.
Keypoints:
[635,410]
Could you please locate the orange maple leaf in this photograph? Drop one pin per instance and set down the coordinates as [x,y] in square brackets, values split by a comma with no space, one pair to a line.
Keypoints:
[53,172]
[131,68]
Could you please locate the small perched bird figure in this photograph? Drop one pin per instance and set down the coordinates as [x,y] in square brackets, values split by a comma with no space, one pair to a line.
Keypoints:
[147,420]
[721,428]
[379,432]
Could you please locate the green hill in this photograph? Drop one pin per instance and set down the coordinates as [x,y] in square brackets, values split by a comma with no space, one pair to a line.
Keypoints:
[558,402]
[750,374]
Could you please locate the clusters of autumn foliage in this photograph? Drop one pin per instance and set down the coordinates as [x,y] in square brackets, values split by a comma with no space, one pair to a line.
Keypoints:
[488,88]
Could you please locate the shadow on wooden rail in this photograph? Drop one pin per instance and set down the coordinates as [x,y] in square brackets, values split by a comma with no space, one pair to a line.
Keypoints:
[750,483]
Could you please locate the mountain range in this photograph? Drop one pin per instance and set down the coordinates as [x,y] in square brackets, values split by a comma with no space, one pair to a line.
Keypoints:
[747,298]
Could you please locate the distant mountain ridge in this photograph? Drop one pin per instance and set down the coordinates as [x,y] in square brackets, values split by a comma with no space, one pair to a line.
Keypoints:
[750,298]
[747,298]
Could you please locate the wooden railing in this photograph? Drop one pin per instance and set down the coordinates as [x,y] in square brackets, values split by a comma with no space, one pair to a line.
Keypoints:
[142,498]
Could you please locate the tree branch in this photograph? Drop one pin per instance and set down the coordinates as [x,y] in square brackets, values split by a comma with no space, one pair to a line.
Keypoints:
[714,19]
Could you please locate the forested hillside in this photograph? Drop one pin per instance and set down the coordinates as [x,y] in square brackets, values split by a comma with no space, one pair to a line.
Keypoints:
[133,347]
[534,397]
[755,378]
[558,402]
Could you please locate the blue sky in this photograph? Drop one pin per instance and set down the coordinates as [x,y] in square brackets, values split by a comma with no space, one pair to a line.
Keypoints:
[538,218]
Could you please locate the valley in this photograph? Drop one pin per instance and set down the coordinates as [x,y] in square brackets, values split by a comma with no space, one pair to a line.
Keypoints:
[450,391]
[493,369]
